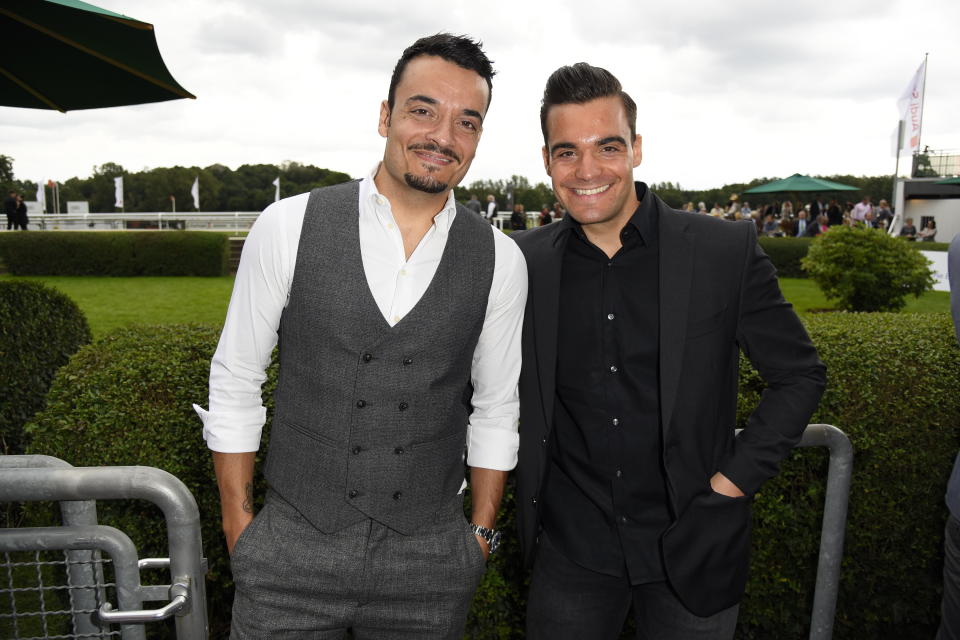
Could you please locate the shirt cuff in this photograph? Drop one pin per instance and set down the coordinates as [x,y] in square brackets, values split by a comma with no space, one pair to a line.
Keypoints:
[492,448]
[232,432]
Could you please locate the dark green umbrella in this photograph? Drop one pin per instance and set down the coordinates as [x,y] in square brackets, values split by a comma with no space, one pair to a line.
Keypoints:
[798,182]
[955,180]
[67,54]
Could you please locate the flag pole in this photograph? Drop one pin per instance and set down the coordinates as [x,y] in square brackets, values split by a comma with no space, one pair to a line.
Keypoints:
[923,94]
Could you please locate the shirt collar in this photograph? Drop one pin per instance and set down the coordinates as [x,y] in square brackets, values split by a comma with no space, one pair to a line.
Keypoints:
[644,218]
[377,203]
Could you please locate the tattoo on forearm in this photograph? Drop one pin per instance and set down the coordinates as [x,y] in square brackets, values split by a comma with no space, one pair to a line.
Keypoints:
[248,500]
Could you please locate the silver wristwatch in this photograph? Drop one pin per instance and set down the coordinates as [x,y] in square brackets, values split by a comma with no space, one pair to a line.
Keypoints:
[492,536]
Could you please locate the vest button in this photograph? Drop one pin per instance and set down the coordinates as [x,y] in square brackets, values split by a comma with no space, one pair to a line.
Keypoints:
[398,450]
[403,406]
[352,493]
[397,495]
[533,499]
[408,361]
[367,357]
[361,404]
[356,450]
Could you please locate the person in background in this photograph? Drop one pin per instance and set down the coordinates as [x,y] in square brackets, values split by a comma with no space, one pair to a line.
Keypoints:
[929,232]
[884,215]
[545,217]
[950,605]
[518,219]
[801,224]
[786,210]
[21,220]
[10,208]
[491,208]
[557,211]
[908,230]
[474,205]
[860,209]
[834,213]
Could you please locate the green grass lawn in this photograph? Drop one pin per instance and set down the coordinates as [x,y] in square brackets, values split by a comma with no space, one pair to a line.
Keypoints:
[110,303]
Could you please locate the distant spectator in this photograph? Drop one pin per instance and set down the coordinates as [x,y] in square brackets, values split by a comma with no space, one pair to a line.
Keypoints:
[820,226]
[834,213]
[558,211]
[816,207]
[701,207]
[21,219]
[745,210]
[884,215]
[786,210]
[802,224]
[545,217]
[474,204]
[491,208]
[908,230]
[929,232]
[770,226]
[868,220]
[786,227]
[518,219]
[716,212]
[860,209]
[10,208]
[688,207]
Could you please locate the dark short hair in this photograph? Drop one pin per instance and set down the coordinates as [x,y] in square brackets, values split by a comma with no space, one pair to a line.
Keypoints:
[460,50]
[582,83]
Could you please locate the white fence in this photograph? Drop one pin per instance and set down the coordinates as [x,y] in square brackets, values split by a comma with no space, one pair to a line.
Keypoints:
[236,221]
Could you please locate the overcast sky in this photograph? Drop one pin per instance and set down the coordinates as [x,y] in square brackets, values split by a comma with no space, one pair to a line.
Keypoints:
[727,91]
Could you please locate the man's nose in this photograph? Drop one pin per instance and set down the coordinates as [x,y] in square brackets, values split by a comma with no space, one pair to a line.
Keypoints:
[442,131]
[587,167]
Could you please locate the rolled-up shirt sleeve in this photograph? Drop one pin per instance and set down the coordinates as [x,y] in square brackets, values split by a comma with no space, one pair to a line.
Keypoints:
[236,415]
[492,437]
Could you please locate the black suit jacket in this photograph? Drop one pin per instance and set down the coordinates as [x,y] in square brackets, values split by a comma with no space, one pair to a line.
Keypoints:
[718,295]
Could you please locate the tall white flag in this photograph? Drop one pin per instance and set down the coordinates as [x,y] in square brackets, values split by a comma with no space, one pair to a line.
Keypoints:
[276,183]
[42,196]
[911,110]
[118,192]
[195,192]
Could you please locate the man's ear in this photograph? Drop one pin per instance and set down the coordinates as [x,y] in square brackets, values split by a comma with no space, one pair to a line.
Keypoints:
[546,159]
[384,124]
[637,150]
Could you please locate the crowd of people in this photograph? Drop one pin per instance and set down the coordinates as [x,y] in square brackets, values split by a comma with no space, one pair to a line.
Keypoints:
[518,217]
[780,219]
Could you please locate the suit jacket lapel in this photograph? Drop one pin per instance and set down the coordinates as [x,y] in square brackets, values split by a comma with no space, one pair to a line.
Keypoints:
[545,294]
[676,271]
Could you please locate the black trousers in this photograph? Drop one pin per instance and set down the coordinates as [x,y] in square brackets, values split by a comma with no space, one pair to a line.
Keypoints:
[569,602]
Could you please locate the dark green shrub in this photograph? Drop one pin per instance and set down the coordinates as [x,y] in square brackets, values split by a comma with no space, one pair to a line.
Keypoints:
[893,381]
[115,253]
[786,253]
[39,330]
[866,269]
[126,400]
[894,388]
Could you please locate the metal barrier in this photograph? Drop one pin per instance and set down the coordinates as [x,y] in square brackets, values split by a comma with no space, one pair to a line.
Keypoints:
[839,473]
[22,481]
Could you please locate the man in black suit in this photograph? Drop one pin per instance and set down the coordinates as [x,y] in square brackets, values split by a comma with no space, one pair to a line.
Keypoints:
[631,485]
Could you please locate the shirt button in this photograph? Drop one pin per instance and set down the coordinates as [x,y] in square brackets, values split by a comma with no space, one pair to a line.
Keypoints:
[357,450]
[619,473]
[403,272]
[613,368]
[543,440]
[389,225]
[398,450]
[403,406]
[533,499]
[616,421]
[396,319]
[352,493]
[610,316]
[367,357]
[610,264]
[397,495]
[623,519]
[407,361]
[361,404]
[381,200]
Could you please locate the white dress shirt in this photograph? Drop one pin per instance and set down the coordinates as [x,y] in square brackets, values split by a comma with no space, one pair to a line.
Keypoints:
[262,289]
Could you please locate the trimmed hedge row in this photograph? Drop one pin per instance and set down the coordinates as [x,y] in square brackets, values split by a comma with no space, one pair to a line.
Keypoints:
[115,253]
[40,328]
[893,382]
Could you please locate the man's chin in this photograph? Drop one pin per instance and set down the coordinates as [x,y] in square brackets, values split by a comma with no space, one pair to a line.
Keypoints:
[425,184]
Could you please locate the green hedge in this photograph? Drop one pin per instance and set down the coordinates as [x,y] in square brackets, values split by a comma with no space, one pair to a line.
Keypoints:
[786,253]
[115,253]
[40,328]
[893,387]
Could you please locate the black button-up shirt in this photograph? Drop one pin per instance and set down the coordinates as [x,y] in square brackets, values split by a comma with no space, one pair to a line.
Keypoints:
[605,498]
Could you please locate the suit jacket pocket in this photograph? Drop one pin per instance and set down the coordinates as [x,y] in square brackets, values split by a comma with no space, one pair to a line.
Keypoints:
[706,552]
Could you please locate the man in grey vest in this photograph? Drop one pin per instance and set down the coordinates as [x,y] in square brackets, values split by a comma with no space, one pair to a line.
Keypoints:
[398,314]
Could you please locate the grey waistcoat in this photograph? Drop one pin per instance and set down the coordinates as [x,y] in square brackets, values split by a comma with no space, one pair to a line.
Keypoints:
[370,420]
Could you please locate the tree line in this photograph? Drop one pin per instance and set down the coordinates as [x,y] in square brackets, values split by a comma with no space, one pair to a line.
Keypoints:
[250,188]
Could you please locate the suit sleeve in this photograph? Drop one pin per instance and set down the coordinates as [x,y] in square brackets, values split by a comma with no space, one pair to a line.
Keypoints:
[772,337]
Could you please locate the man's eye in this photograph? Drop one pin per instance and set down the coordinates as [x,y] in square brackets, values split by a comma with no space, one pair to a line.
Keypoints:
[468,124]
[420,111]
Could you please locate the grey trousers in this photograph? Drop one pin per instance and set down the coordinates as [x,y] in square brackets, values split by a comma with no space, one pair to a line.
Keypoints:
[950,605]
[296,582]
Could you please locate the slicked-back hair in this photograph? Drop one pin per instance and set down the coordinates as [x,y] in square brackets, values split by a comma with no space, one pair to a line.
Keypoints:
[460,50]
[581,83]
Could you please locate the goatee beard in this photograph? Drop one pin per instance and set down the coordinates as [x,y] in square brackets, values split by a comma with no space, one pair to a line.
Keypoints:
[424,183]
